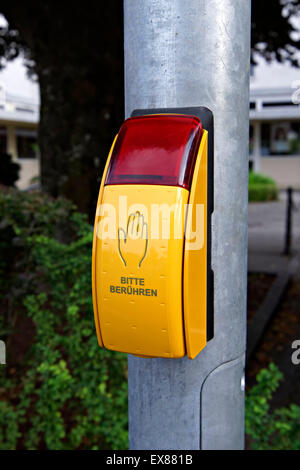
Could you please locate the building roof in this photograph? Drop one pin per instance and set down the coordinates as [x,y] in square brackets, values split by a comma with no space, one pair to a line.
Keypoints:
[18,109]
[275,103]
[274,91]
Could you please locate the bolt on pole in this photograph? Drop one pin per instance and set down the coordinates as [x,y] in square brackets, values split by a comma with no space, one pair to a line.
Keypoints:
[197,53]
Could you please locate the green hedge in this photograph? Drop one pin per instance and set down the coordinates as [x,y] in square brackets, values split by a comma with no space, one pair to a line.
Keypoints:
[270,429]
[59,390]
[262,188]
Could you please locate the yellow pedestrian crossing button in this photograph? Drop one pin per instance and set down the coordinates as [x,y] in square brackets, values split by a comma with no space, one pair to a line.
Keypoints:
[152,279]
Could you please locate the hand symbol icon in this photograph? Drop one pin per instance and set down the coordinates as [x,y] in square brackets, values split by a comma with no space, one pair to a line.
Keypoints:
[133,242]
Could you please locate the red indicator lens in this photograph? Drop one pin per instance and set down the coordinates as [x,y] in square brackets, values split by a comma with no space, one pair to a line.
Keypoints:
[156,149]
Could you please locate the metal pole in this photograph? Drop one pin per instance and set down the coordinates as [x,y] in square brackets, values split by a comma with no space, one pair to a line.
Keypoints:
[189,53]
[288,224]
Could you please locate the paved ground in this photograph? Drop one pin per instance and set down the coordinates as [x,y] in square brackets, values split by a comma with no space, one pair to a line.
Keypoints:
[266,243]
[266,236]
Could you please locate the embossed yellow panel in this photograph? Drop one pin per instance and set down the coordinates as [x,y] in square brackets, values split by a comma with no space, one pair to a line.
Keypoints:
[195,259]
[150,249]
[139,278]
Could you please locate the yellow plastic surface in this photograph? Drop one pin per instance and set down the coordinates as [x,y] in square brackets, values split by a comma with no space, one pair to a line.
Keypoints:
[150,294]
[195,258]
[138,275]
[94,291]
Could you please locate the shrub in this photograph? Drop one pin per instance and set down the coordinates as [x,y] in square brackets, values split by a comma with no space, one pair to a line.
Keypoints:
[59,390]
[9,170]
[261,188]
[276,430]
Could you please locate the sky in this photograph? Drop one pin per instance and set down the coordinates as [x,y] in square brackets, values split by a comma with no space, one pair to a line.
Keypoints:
[15,81]
[273,75]
[14,78]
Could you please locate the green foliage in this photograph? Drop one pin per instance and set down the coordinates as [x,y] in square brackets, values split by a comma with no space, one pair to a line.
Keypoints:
[59,390]
[262,188]
[271,430]
[9,432]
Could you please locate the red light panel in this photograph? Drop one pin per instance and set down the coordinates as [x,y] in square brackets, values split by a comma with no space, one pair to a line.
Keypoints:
[156,149]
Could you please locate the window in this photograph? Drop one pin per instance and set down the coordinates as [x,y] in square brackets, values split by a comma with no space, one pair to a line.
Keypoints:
[3,140]
[26,143]
[265,139]
[251,139]
[276,104]
[280,138]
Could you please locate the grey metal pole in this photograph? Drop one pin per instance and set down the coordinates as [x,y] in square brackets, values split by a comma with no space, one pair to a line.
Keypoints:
[182,53]
[288,224]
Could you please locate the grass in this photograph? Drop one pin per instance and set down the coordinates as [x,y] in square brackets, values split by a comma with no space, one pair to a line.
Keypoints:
[262,188]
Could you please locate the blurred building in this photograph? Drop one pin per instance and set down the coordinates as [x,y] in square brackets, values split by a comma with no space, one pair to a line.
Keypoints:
[19,117]
[275,122]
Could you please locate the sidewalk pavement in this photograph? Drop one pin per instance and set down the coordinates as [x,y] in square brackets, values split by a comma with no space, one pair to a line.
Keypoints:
[265,247]
[266,234]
